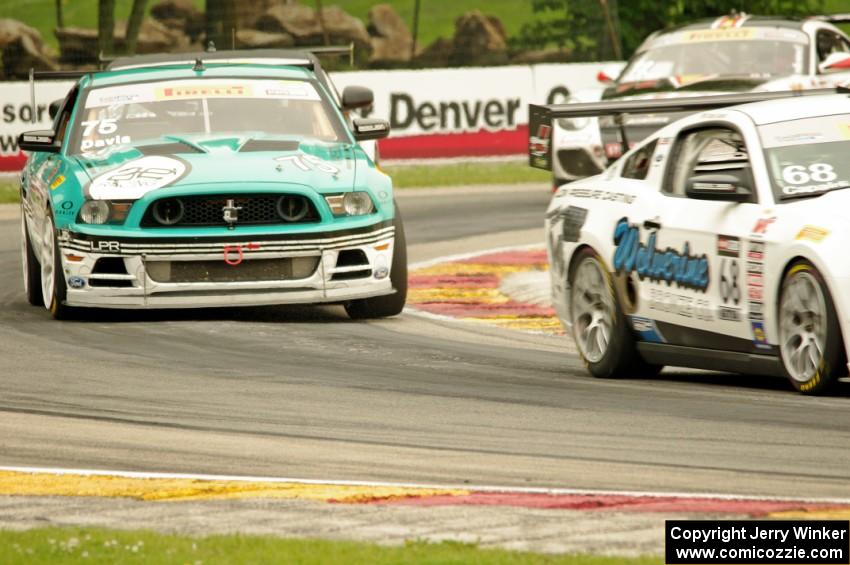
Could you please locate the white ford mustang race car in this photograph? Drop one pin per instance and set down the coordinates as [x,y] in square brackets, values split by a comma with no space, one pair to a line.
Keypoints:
[719,242]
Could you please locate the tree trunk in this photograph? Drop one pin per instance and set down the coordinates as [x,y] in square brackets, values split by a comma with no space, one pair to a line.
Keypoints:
[105,26]
[60,18]
[221,23]
[321,16]
[134,24]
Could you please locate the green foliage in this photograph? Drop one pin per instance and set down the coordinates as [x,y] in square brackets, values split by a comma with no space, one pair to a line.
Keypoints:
[92,545]
[580,25]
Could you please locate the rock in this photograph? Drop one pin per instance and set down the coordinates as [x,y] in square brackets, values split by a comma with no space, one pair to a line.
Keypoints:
[478,40]
[23,54]
[437,54]
[302,23]
[154,37]
[77,45]
[391,39]
[11,30]
[180,15]
[253,39]
[343,28]
[298,21]
[248,12]
[550,55]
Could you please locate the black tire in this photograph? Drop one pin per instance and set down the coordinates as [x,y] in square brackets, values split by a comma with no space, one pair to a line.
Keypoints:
[55,303]
[389,304]
[620,358]
[832,363]
[30,265]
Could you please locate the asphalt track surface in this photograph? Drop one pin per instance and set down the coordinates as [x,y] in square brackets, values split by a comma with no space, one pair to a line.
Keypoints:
[304,392]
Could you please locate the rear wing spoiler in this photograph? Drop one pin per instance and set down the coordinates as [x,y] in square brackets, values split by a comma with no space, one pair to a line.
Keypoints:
[540,117]
[833,18]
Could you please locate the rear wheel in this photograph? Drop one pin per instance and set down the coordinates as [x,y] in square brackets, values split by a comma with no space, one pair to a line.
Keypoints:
[390,304]
[810,343]
[604,340]
[53,287]
[31,268]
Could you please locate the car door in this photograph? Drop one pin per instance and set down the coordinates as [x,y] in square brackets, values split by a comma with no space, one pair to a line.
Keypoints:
[699,290]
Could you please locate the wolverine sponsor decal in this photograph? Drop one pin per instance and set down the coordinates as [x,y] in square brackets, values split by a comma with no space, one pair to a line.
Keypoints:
[658,265]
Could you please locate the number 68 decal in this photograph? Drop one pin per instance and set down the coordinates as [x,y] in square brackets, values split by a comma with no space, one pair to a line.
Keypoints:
[817,172]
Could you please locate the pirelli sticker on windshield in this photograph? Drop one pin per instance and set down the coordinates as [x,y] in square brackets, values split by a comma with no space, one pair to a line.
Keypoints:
[203,90]
[737,34]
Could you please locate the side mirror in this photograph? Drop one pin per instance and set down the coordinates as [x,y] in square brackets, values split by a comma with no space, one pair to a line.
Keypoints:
[370,128]
[41,140]
[54,108]
[835,62]
[354,97]
[732,186]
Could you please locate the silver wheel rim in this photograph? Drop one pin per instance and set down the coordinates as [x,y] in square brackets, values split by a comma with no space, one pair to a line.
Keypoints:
[802,326]
[24,259]
[48,271]
[592,310]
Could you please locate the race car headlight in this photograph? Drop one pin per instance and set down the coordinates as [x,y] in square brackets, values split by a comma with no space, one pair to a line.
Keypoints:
[351,204]
[104,212]
[95,212]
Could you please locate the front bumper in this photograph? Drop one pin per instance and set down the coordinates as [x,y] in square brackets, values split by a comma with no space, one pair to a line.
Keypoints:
[139,272]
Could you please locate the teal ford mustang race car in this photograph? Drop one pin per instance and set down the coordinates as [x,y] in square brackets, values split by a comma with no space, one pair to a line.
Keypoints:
[209,183]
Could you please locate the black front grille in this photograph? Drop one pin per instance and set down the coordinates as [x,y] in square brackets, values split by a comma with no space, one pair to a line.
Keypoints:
[249,209]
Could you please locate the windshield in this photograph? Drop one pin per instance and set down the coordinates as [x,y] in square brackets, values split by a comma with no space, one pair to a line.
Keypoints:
[808,157]
[132,114]
[692,56]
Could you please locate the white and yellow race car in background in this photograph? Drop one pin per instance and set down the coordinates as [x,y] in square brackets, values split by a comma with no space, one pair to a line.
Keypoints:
[735,53]
[718,242]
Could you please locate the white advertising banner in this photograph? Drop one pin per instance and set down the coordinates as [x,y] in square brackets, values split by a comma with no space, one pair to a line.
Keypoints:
[432,112]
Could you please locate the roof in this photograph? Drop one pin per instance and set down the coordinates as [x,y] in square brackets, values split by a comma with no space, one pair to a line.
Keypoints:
[796,108]
[739,21]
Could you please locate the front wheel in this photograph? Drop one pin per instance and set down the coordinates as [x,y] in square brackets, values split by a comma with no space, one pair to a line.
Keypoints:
[53,287]
[604,341]
[390,304]
[810,343]
[30,265]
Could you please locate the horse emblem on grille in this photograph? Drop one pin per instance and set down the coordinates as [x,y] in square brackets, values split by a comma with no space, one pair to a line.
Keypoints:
[231,213]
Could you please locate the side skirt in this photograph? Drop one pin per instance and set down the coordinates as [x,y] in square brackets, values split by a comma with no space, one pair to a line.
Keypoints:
[711,359]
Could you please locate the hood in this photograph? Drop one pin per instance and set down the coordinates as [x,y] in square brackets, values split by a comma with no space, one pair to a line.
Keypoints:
[184,161]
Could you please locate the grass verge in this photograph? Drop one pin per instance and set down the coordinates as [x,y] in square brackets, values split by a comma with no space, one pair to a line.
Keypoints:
[90,545]
[10,192]
[409,176]
[412,176]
